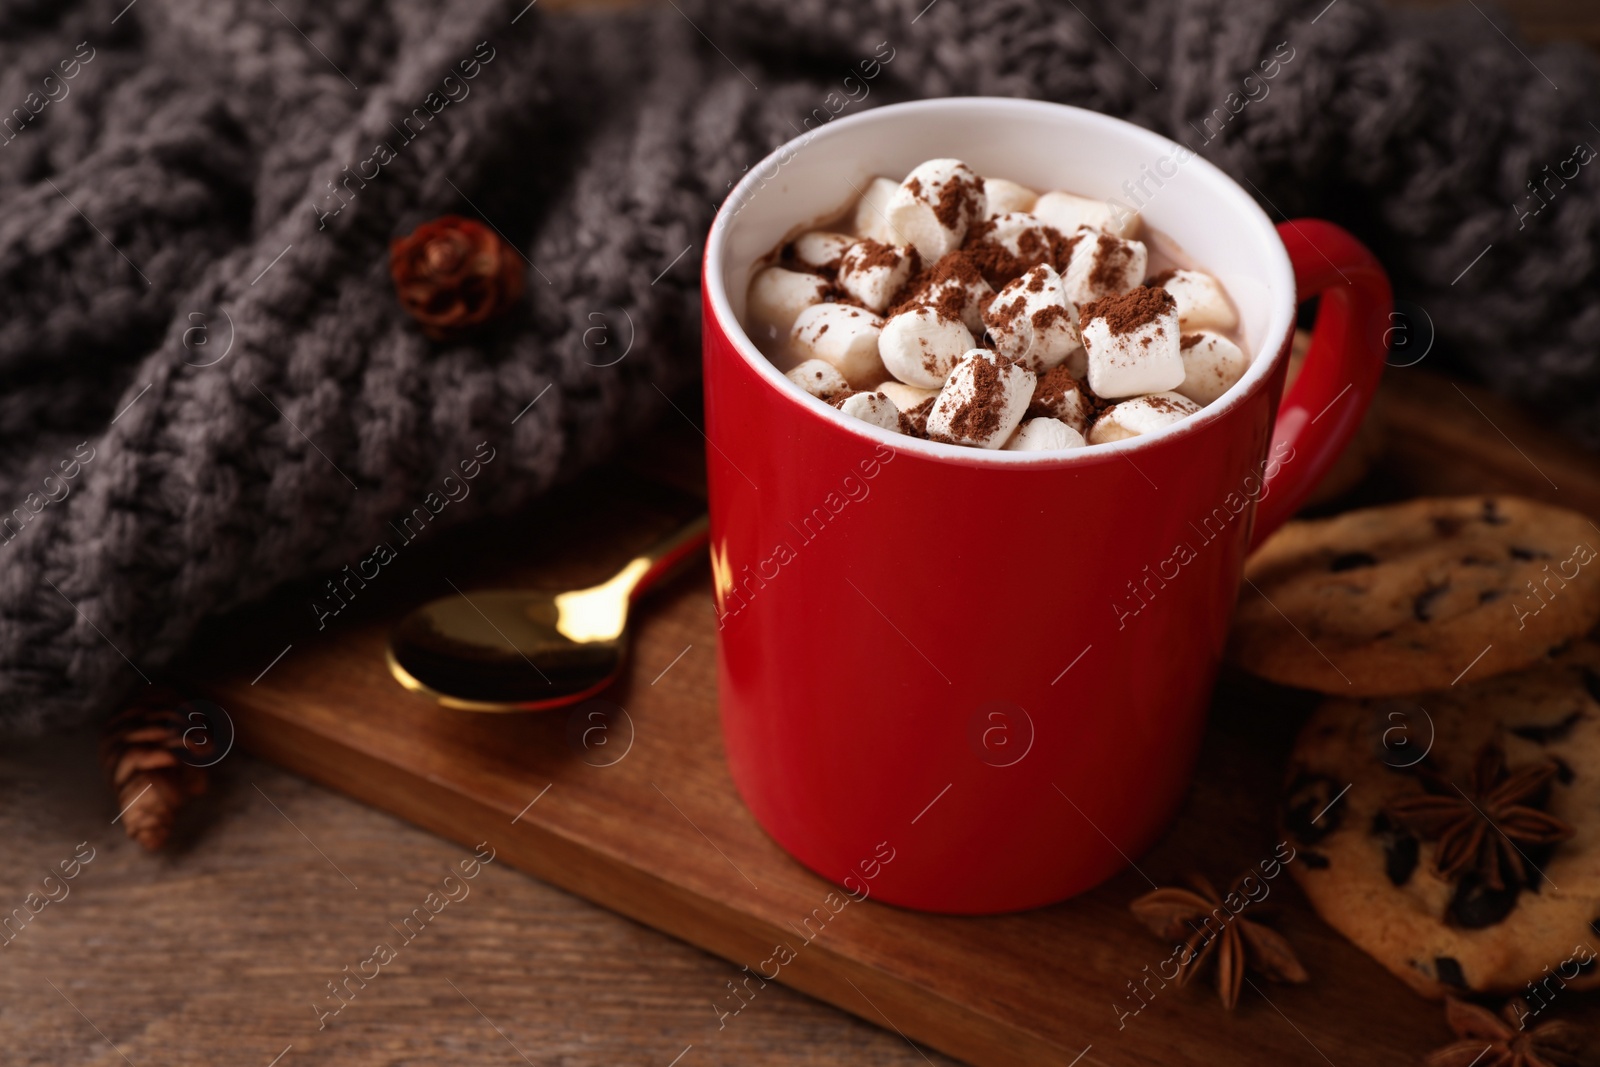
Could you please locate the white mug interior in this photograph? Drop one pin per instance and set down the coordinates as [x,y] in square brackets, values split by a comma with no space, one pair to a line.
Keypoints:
[1044,146]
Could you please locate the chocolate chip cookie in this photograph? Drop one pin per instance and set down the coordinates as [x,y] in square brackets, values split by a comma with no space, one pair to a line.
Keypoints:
[1413,596]
[1386,803]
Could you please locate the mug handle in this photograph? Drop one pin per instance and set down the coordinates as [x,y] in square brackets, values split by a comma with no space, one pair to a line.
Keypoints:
[1321,412]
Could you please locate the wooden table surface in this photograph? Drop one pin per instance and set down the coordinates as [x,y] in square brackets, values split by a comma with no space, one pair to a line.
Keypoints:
[200,956]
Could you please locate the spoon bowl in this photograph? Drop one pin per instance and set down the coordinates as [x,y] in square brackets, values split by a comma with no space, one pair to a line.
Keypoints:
[527,649]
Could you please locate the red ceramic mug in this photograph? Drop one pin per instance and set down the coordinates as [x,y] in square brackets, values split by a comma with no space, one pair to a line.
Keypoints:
[975,681]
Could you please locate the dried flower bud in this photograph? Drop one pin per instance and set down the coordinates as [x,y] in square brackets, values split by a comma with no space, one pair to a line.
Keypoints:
[453,274]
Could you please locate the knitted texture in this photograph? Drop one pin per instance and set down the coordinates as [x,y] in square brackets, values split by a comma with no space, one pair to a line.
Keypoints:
[208,180]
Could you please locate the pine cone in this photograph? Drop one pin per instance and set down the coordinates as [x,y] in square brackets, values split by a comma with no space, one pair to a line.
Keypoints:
[452,274]
[152,751]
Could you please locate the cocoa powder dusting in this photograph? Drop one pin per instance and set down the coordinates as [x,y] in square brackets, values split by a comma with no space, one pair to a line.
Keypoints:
[958,202]
[978,418]
[1189,340]
[1048,316]
[1111,258]
[1165,406]
[1052,387]
[914,420]
[1002,317]
[943,286]
[1042,244]
[948,303]
[997,265]
[873,254]
[1039,245]
[1061,247]
[1033,245]
[1126,312]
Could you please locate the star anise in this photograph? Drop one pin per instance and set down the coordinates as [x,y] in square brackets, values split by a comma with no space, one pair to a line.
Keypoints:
[1490,1040]
[1210,930]
[1488,828]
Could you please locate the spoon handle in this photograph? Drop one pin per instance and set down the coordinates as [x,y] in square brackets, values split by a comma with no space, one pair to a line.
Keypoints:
[669,554]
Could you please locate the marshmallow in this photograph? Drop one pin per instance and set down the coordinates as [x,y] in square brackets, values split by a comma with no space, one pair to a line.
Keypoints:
[1132,341]
[1202,305]
[968,299]
[1141,415]
[776,298]
[1101,265]
[873,408]
[1067,212]
[1058,395]
[955,285]
[842,335]
[1211,364]
[982,402]
[873,272]
[934,206]
[921,344]
[1032,321]
[872,217]
[819,378]
[905,396]
[1004,196]
[1024,236]
[820,250]
[1044,435]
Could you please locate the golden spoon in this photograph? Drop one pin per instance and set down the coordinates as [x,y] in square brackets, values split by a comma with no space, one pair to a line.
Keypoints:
[528,649]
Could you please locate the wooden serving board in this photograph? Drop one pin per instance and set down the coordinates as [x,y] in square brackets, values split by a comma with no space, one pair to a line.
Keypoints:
[642,818]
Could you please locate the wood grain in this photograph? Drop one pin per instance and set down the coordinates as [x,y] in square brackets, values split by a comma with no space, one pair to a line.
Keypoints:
[215,954]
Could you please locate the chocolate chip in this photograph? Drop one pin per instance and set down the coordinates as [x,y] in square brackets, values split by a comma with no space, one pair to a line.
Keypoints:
[1309,797]
[1422,607]
[1591,682]
[1449,971]
[1447,525]
[1556,731]
[1491,514]
[1489,596]
[1475,906]
[1400,859]
[1400,850]
[1349,561]
[1517,552]
[1315,860]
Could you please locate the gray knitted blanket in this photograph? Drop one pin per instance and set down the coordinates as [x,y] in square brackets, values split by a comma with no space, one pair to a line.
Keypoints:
[207,387]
